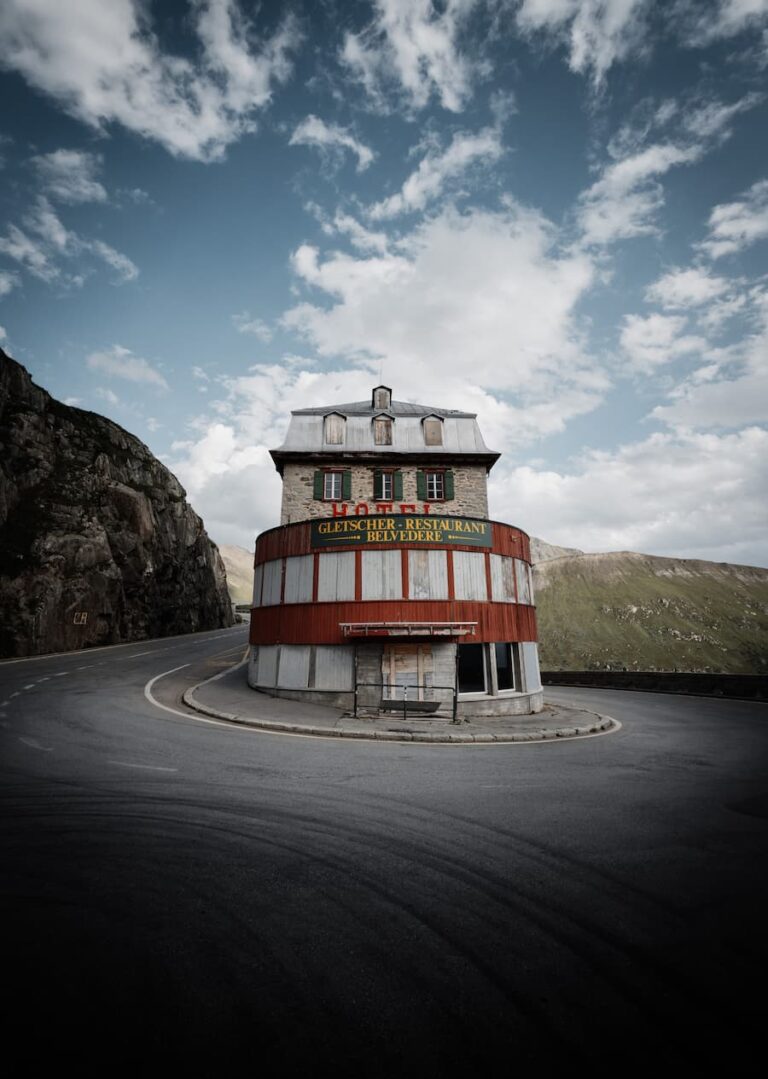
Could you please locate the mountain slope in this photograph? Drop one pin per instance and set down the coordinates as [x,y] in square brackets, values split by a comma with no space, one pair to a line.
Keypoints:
[644,612]
[97,542]
[239,566]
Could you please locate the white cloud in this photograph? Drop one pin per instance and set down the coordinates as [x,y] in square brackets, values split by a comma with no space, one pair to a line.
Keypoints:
[3,333]
[735,225]
[8,281]
[625,200]
[362,238]
[435,169]
[723,19]
[107,395]
[199,374]
[679,494]
[126,270]
[70,176]
[103,64]
[598,32]
[316,132]
[255,326]
[120,362]
[654,340]
[729,394]
[52,242]
[686,288]
[468,304]
[414,46]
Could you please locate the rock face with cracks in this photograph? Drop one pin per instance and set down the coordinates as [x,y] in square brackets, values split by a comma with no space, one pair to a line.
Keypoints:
[97,543]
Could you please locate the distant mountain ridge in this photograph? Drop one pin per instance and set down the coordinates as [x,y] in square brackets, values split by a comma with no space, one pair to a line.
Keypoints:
[624,609]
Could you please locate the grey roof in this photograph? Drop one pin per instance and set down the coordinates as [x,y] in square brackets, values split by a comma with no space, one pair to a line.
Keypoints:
[396,408]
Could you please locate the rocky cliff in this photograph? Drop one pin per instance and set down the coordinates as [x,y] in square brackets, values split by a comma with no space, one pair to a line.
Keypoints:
[97,542]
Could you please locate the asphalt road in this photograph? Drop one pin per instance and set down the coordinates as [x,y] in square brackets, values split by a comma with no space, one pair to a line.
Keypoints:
[181,893]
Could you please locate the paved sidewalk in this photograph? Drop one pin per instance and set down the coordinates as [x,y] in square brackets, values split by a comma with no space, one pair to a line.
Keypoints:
[228,696]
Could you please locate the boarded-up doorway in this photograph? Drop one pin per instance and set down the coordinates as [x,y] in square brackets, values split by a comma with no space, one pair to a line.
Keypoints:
[407,665]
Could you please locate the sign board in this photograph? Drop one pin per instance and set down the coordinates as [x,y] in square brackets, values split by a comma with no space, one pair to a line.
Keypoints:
[398,528]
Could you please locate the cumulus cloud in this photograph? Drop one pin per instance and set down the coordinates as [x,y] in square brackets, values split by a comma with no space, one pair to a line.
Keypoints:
[653,340]
[687,288]
[597,33]
[436,169]
[329,137]
[103,64]
[244,323]
[483,298]
[70,176]
[735,225]
[8,281]
[413,46]
[120,362]
[660,495]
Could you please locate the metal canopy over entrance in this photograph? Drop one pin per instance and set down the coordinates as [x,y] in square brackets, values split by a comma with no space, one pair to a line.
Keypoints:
[407,629]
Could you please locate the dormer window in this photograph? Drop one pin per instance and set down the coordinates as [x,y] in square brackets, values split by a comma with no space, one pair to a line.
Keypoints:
[333,429]
[382,430]
[382,397]
[433,431]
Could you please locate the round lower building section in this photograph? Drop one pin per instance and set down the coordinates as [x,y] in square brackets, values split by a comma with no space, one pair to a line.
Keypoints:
[427,614]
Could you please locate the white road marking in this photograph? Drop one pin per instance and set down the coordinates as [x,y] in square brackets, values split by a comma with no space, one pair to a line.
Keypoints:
[60,674]
[146,767]
[16,694]
[30,686]
[87,667]
[137,654]
[43,679]
[3,704]
[33,744]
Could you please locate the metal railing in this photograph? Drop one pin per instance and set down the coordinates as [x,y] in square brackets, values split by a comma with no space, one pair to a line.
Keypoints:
[392,701]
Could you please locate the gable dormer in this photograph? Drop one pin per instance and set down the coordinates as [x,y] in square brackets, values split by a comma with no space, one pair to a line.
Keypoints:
[381,397]
[433,430]
[334,425]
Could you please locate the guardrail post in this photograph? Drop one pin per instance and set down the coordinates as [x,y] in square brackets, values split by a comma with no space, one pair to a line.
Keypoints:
[355,709]
[455,707]
[405,702]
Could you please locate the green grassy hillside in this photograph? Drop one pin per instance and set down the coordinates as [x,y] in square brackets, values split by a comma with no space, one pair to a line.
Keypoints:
[647,613]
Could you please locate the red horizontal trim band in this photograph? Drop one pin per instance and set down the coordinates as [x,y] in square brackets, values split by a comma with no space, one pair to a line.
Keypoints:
[320,623]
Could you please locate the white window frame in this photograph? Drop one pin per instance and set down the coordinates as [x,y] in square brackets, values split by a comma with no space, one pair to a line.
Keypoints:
[330,481]
[387,490]
[435,486]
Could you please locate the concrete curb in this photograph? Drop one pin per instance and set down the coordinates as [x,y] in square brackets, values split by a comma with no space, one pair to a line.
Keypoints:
[599,725]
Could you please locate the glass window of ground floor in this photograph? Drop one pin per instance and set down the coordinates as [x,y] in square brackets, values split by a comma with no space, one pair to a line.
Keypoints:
[489,668]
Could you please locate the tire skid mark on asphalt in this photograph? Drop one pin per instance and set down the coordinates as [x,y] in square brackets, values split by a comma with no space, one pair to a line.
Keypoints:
[531,904]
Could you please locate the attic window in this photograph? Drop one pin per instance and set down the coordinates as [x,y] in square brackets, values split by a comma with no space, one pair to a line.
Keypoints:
[382,431]
[333,429]
[433,431]
[382,397]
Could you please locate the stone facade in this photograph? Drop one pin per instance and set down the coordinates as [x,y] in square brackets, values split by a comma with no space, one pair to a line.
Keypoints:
[470,491]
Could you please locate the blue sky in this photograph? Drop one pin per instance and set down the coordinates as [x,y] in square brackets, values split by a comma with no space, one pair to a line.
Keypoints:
[552,212]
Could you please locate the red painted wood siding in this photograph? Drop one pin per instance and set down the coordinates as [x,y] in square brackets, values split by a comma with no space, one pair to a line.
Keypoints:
[288,540]
[318,623]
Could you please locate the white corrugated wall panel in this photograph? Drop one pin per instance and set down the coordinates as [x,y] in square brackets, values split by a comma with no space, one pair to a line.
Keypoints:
[294,666]
[382,575]
[258,576]
[502,578]
[427,575]
[336,576]
[530,657]
[469,575]
[298,579]
[334,666]
[523,582]
[266,669]
[273,575]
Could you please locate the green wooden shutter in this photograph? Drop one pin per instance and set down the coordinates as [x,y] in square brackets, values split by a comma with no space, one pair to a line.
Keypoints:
[421,486]
[449,483]
[397,486]
[318,485]
[346,485]
[377,483]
